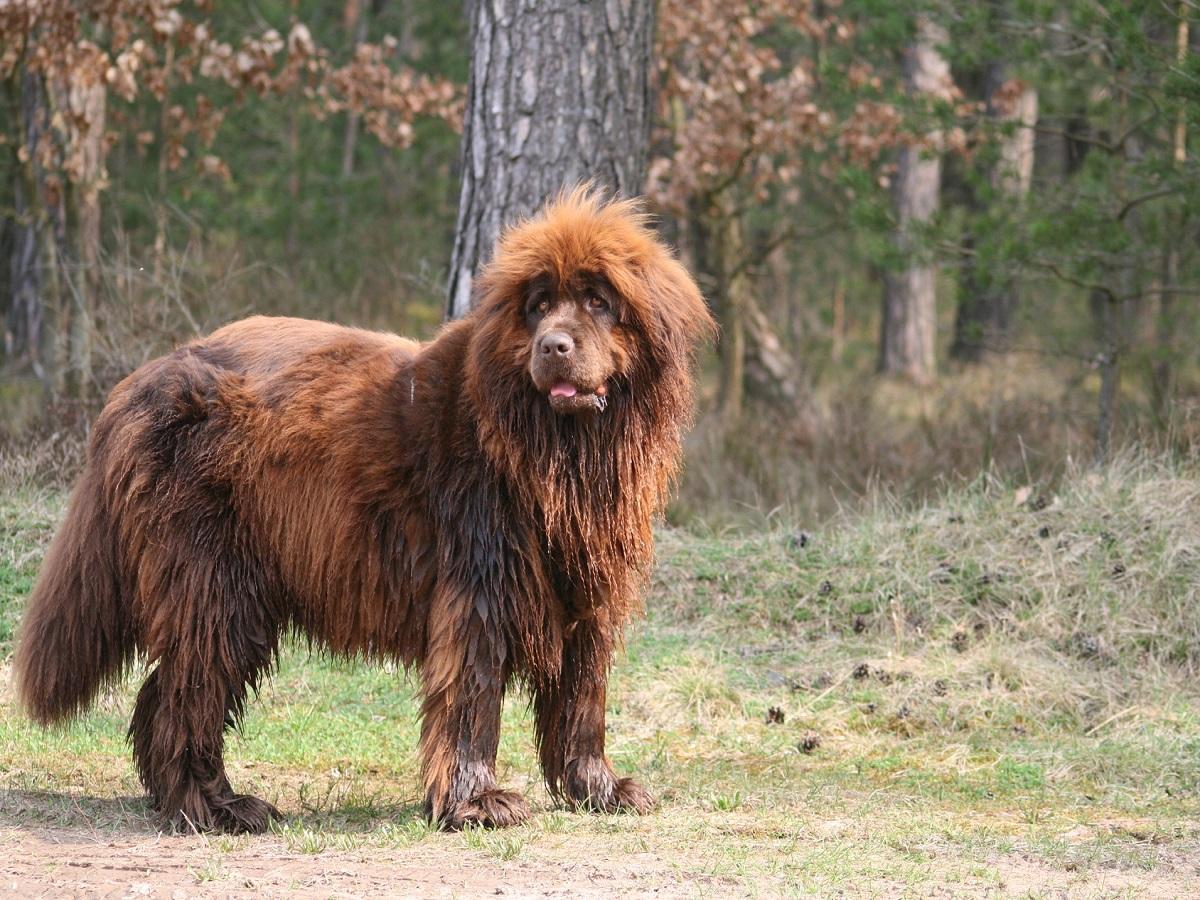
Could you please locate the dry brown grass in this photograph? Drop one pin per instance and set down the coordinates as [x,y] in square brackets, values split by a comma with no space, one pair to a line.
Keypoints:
[863,436]
[1103,565]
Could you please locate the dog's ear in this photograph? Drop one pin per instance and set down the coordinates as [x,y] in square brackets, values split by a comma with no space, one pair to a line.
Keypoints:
[678,316]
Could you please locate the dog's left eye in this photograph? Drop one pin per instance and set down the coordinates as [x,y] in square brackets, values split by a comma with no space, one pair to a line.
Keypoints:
[597,303]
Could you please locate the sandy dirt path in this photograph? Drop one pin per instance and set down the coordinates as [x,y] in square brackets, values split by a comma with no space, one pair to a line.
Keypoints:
[70,863]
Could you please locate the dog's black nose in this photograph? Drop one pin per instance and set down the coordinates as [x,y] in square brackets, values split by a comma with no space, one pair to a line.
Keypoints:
[557,342]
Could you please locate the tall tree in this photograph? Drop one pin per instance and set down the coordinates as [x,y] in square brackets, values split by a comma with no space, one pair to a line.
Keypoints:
[21,294]
[1162,381]
[558,93]
[81,99]
[909,296]
[988,300]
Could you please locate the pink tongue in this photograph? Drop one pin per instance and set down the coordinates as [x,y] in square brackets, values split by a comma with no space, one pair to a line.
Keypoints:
[563,389]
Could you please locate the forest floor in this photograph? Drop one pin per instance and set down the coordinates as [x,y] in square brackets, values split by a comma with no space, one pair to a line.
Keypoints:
[992,695]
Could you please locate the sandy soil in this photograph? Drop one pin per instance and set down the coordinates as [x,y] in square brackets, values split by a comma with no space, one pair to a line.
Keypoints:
[67,863]
[73,862]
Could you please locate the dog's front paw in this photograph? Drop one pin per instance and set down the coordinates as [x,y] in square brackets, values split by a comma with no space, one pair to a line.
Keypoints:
[493,808]
[591,784]
[229,813]
[631,797]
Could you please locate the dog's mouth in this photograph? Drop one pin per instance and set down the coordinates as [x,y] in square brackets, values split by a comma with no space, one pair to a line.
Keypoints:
[566,397]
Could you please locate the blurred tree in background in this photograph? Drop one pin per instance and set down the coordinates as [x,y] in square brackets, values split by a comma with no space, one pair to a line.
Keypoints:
[1016,179]
[909,332]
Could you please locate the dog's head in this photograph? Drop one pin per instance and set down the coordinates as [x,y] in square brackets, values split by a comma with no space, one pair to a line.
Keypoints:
[584,306]
[577,342]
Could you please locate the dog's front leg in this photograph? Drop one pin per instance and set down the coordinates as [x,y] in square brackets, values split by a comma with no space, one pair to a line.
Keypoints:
[570,728]
[463,674]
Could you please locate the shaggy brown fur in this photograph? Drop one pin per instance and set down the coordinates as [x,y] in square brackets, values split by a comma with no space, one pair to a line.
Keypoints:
[478,507]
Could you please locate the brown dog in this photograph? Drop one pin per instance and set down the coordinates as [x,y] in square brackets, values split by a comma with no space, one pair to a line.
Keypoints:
[478,507]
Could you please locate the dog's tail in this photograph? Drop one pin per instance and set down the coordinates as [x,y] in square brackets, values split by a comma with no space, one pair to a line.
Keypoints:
[77,634]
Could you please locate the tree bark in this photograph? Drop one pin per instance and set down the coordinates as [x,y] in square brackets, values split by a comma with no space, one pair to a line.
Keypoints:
[160,205]
[355,18]
[87,222]
[838,338]
[988,301]
[559,93]
[1162,372]
[82,101]
[771,371]
[24,310]
[909,296]
[22,288]
[754,361]
[1108,360]
[355,14]
[723,249]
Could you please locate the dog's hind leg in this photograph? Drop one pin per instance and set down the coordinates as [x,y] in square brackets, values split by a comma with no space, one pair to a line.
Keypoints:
[207,610]
[215,652]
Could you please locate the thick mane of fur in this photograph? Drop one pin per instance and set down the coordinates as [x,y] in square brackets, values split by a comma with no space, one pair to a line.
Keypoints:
[599,482]
[382,498]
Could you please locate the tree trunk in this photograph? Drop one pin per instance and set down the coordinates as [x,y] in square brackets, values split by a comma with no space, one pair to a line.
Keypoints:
[160,204]
[838,338]
[23,319]
[771,371]
[1105,314]
[558,93]
[46,207]
[1162,372]
[87,223]
[909,324]
[354,19]
[733,362]
[23,315]
[82,100]
[909,296]
[754,361]
[988,301]
[732,301]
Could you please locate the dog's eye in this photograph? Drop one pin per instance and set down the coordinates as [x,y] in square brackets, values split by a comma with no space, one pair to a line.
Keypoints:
[543,307]
[597,303]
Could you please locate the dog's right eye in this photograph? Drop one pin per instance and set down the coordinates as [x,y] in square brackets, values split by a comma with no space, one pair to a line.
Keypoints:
[535,310]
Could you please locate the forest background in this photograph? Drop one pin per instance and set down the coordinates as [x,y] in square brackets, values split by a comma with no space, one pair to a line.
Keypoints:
[940,238]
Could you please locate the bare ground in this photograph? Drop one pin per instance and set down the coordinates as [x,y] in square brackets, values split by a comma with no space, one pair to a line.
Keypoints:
[68,862]
[81,861]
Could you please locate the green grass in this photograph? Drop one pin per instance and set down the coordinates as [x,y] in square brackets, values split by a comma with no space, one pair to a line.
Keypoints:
[988,691]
